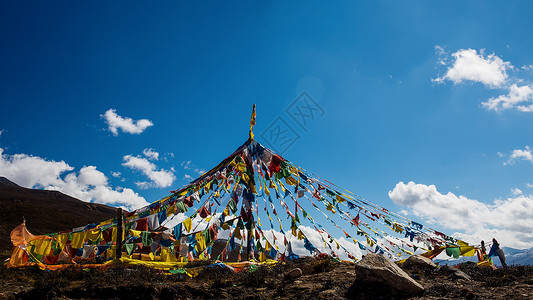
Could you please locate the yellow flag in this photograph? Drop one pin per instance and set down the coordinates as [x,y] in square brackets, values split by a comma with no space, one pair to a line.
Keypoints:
[290,180]
[462,243]
[262,256]
[369,242]
[467,251]
[268,246]
[135,233]
[94,234]
[187,224]
[340,199]
[78,239]
[114,234]
[200,242]
[330,207]
[61,240]
[42,246]
[267,191]
[171,210]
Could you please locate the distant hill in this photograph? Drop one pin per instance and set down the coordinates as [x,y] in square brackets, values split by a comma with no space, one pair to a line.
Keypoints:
[45,211]
[512,257]
[518,257]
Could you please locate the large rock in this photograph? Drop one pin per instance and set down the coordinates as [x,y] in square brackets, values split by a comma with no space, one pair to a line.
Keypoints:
[376,268]
[453,273]
[419,263]
[294,273]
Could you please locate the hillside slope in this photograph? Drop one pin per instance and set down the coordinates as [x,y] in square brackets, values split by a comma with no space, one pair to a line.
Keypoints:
[45,211]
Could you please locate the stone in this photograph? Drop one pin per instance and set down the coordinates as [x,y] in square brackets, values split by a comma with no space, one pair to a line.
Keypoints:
[452,272]
[376,268]
[419,263]
[294,273]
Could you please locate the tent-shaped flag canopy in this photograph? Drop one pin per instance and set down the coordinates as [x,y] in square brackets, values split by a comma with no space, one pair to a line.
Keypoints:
[255,206]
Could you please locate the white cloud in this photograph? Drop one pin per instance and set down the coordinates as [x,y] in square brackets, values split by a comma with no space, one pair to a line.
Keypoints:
[442,55]
[31,171]
[115,122]
[160,179]
[186,165]
[509,220]
[88,185]
[188,177]
[116,174]
[1,131]
[151,154]
[490,70]
[519,97]
[468,65]
[90,176]
[516,191]
[519,154]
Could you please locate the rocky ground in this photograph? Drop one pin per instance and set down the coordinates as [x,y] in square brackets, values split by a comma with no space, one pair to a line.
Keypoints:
[304,278]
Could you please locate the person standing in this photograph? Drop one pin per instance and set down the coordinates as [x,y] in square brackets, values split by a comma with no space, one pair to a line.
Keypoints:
[496,250]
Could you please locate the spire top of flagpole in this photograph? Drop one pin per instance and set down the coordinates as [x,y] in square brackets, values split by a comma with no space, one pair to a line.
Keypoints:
[252,123]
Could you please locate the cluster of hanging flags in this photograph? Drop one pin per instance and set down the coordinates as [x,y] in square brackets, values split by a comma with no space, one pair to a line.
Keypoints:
[225,205]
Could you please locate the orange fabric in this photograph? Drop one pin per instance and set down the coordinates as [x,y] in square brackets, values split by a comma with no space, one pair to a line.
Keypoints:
[19,258]
[433,253]
[20,235]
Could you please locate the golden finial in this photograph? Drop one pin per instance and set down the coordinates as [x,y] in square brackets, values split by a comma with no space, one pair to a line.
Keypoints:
[252,123]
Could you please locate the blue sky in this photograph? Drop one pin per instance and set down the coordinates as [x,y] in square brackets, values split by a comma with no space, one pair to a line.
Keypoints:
[401,86]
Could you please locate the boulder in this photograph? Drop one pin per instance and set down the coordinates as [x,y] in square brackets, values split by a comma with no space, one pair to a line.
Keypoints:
[377,269]
[419,263]
[453,273]
[294,273]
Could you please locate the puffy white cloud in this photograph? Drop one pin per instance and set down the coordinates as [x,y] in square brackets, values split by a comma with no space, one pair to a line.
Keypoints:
[116,174]
[509,220]
[88,185]
[468,65]
[519,154]
[490,70]
[115,122]
[151,154]
[519,97]
[90,176]
[31,171]
[159,178]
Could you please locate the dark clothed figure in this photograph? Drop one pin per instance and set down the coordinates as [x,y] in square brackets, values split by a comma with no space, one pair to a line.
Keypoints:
[496,250]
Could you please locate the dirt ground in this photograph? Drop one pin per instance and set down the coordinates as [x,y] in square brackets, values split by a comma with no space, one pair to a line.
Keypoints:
[321,279]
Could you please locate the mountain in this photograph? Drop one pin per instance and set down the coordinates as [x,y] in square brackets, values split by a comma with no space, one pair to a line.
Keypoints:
[518,257]
[512,257]
[44,211]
